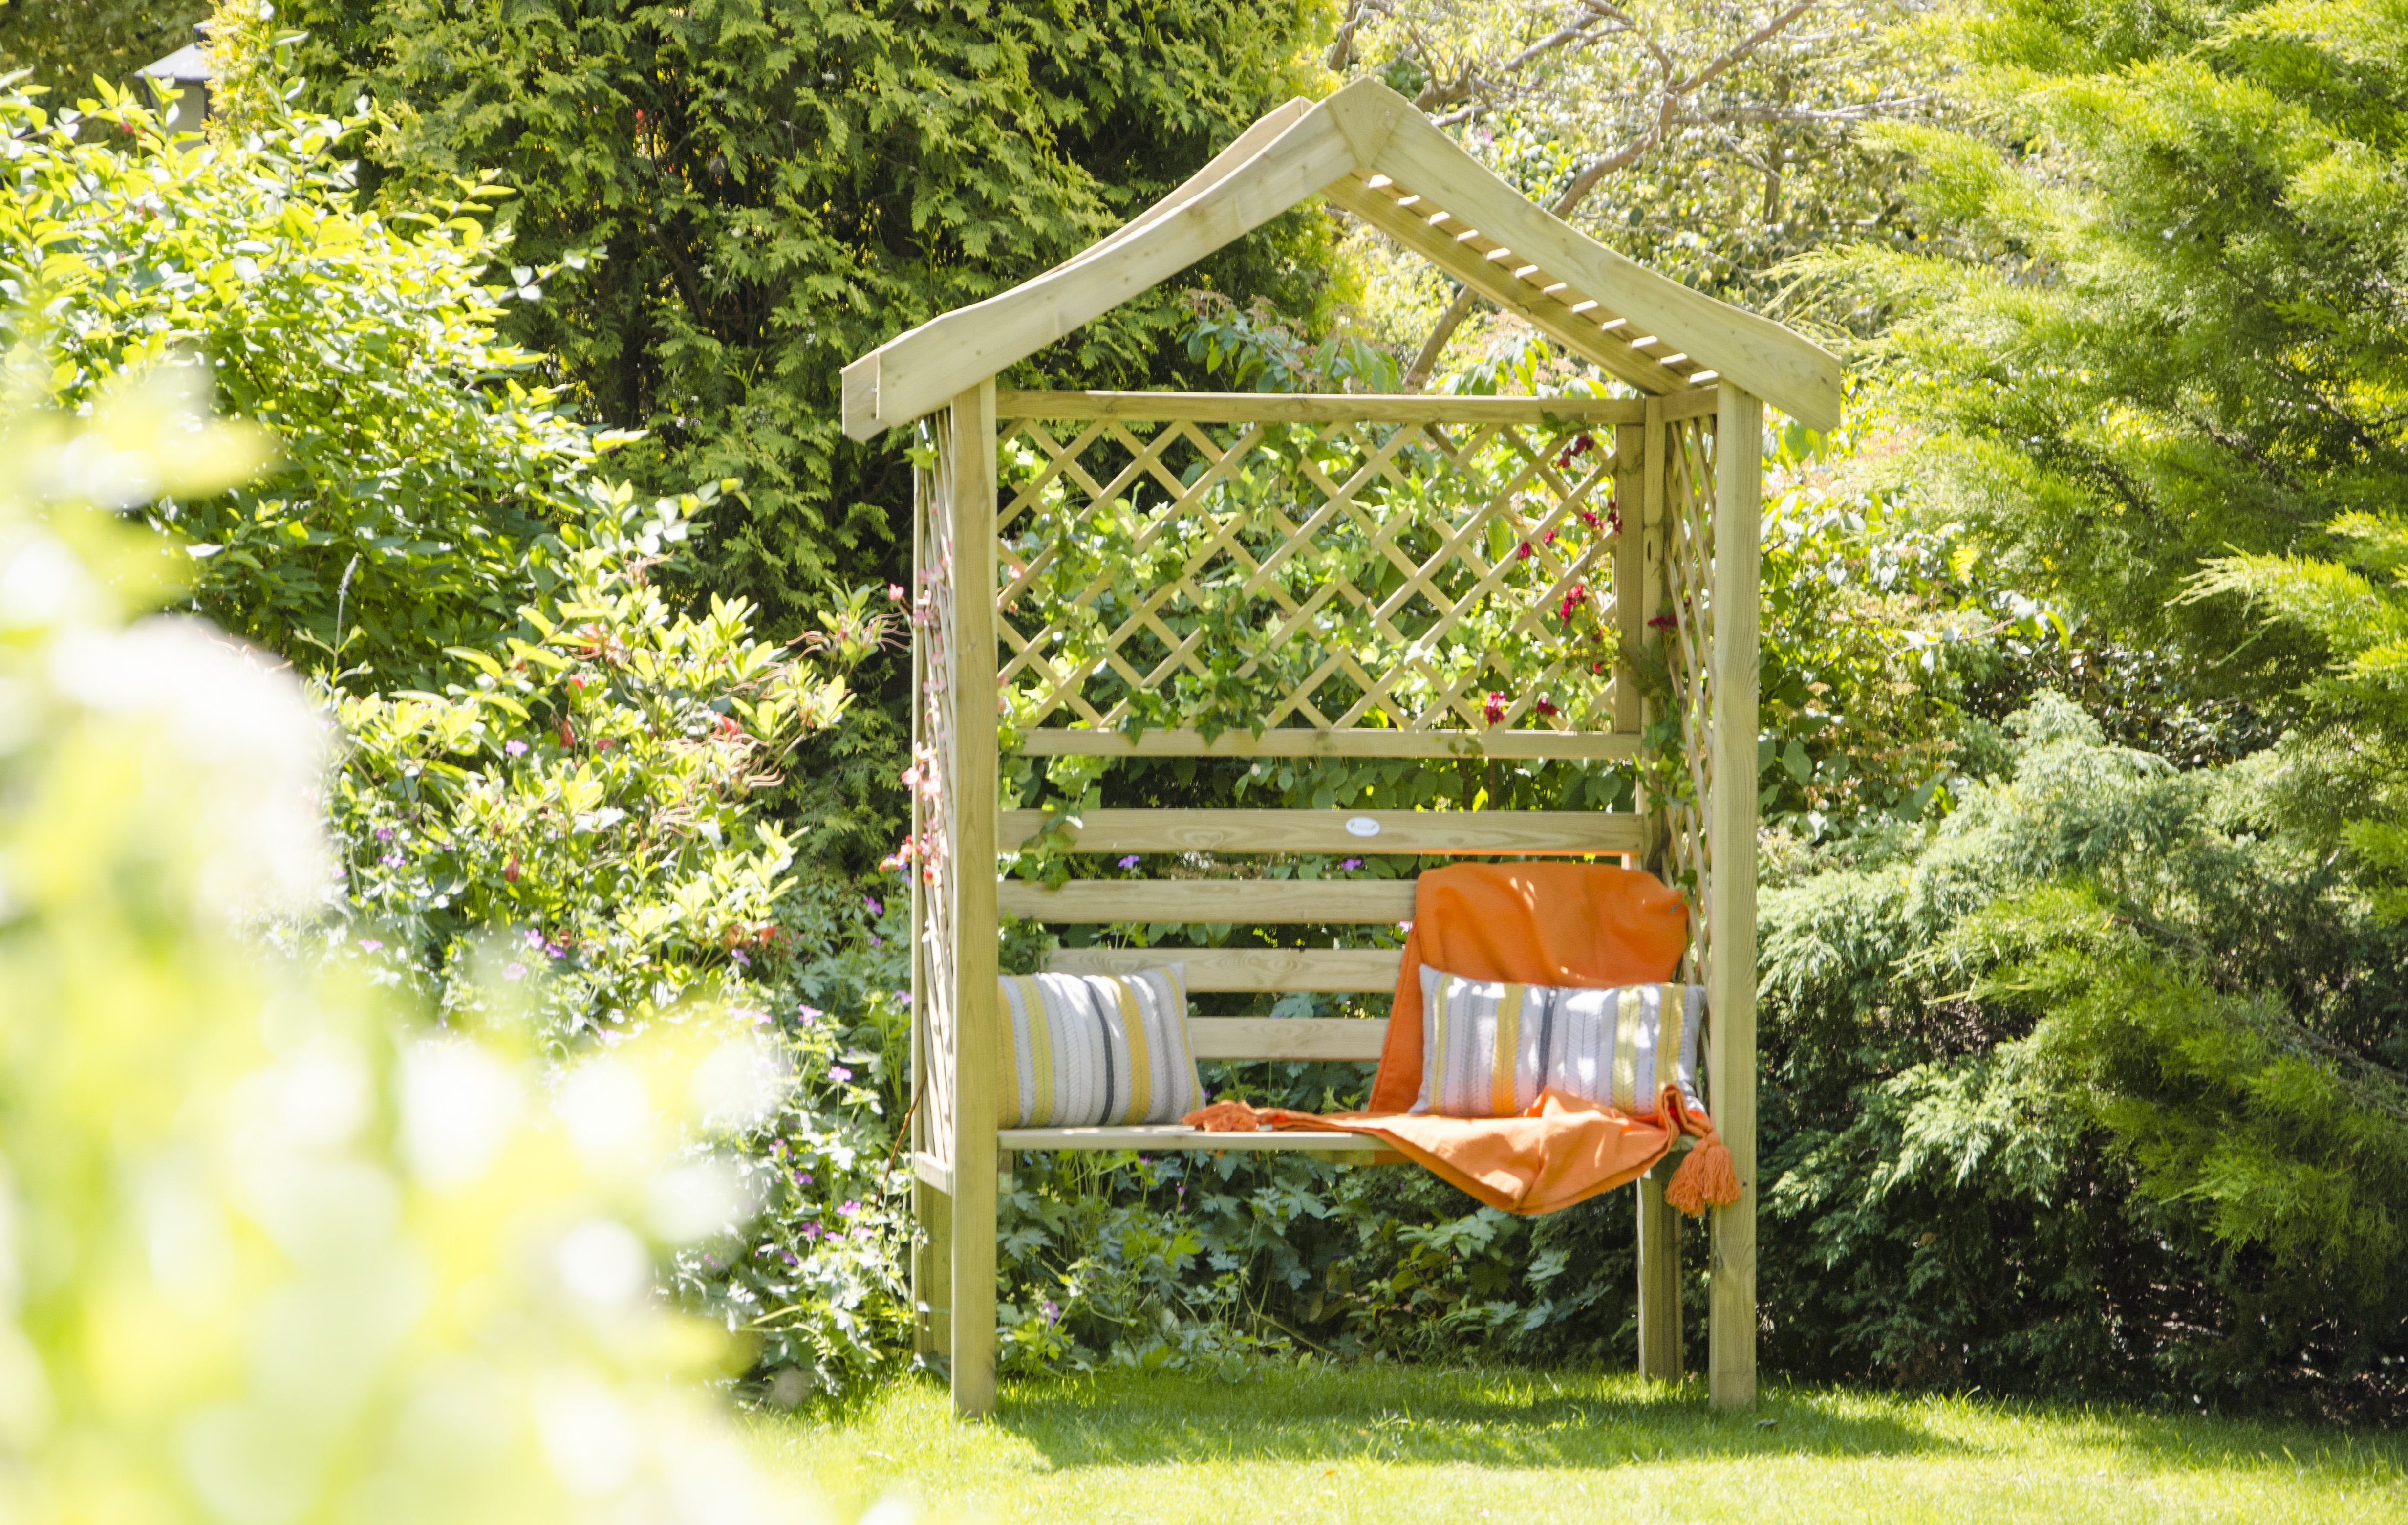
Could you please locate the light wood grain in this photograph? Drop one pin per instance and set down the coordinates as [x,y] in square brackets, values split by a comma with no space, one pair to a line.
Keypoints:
[1358,1039]
[1732,823]
[1314,408]
[1299,742]
[976,996]
[1250,901]
[1245,969]
[916,372]
[1793,374]
[1333,831]
[1552,314]
[1659,1279]
[1629,565]
[1151,1136]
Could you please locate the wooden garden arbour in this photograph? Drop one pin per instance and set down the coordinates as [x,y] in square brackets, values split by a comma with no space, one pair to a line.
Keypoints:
[1685,563]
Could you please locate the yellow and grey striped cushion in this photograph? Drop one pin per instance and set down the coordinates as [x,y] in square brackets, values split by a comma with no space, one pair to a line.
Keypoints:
[1091,1050]
[1488,1049]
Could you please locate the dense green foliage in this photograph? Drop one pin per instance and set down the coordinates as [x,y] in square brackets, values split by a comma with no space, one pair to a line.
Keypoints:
[421,460]
[66,43]
[764,189]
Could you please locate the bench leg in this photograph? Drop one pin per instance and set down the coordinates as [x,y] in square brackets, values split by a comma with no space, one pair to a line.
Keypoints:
[973,1332]
[1659,1279]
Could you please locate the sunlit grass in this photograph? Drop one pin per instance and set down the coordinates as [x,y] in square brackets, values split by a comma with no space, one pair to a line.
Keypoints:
[1388,1445]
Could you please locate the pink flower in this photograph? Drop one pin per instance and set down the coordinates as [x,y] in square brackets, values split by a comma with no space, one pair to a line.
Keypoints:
[894,592]
[515,747]
[369,944]
[808,1012]
[514,971]
[839,1072]
[850,1208]
[1130,861]
[1349,864]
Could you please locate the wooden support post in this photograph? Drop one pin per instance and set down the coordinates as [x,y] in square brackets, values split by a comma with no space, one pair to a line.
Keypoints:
[1630,566]
[1659,1279]
[1731,826]
[970,867]
[1652,520]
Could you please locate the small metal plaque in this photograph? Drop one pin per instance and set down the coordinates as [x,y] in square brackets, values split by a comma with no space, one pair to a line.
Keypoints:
[1362,826]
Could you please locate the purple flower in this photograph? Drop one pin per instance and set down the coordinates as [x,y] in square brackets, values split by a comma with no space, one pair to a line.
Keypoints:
[391,859]
[1051,1310]
[1345,865]
[839,1072]
[903,998]
[810,1231]
[385,833]
[742,961]
[553,950]
[534,938]
[810,1013]
[850,1208]
[802,1177]
[790,1258]
[515,747]
[370,944]
[878,942]
[877,906]
[1129,862]
[514,971]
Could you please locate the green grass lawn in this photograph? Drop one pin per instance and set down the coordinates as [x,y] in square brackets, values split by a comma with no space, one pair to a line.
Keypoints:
[1381,1445]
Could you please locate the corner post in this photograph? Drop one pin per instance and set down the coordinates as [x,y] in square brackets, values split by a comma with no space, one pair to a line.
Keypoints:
[1730,827]
[972,850]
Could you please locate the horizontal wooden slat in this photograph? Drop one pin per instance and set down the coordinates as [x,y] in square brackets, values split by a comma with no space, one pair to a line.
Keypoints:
[1249,900]
[932,1171]
[1298,742]
[1143,1136]
[1334,831]
[1308,407]
[1286,1037]
[1245,969]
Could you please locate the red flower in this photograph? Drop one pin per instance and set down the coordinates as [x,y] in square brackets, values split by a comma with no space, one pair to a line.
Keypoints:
[1495,710]
[1662,621]
[1572,601]
[1546,707]
[1524,552]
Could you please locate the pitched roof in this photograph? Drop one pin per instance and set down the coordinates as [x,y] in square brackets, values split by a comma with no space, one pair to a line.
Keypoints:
[1369,151]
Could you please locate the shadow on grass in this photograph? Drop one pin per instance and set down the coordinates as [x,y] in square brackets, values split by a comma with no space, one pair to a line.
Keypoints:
[1420,1416]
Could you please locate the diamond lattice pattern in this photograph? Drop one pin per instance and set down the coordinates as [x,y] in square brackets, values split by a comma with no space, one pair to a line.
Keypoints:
[1336,575]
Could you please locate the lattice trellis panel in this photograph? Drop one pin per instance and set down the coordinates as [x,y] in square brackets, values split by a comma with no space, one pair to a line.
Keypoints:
[934,798]
[1336,575]
[1687,622]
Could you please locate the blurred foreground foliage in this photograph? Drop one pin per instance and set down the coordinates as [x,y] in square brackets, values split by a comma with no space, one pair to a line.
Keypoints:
[270,1248]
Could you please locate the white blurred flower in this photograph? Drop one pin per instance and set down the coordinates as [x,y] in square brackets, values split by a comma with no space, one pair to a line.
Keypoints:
[604,1263]
[740,1084]
[608,1110]
[459,1105]
[698,1199]
[242,741]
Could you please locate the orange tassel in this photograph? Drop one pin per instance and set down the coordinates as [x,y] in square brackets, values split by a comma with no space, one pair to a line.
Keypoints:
[1224,1117]
[1705,1179]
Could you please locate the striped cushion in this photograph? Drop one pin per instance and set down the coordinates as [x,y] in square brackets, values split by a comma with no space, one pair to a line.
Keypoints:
[1489,1049]
[1088,1050]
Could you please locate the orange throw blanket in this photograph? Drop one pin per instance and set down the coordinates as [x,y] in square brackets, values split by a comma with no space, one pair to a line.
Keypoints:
[1561,924]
